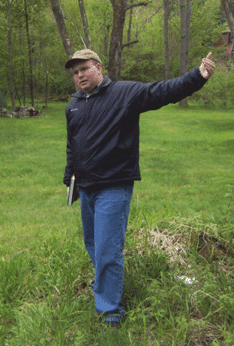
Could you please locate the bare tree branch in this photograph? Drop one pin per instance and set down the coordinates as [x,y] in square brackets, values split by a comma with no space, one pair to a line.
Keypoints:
[65,16]
[147,20]
[128,44]
[143,3]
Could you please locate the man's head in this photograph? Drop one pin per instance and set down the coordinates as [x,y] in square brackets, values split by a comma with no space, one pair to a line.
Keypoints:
[87,69]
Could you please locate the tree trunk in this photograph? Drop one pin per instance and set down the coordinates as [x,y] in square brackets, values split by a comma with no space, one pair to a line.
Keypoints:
[166,44]
[10,57]
[188,21]
[85,25]
[31,84]
[185,12]
[62,28]
[130,24]
[115,52]
[229,13]
[23,79]
[106,42]
[46,89]
[119,12]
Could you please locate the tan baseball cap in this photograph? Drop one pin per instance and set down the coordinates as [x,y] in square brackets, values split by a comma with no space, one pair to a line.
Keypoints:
[84,54]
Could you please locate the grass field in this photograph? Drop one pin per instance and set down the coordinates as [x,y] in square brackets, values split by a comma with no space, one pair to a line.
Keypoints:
[181,225]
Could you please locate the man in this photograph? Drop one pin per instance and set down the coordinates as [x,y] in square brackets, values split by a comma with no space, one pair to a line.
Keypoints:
[103,153]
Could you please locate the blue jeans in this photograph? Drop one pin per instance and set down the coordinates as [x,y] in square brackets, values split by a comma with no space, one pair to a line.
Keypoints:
[104,217]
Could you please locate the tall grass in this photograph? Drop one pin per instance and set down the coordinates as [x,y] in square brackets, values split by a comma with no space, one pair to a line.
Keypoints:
[180,226]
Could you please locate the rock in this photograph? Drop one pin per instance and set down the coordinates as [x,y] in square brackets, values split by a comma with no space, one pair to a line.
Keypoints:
[4,113]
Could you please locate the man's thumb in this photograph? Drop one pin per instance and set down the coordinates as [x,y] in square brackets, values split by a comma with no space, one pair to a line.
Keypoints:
[209,56]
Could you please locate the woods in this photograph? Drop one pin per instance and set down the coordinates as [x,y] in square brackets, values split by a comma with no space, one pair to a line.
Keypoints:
[136,40]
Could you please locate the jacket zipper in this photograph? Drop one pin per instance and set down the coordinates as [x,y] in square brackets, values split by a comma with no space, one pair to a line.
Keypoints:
[83,135]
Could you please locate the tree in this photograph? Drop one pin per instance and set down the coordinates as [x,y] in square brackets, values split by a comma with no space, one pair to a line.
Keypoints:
[130,23]
[10,57]
[166,43]
[120,8]
[115,51]
[31,84]
[48,51]
[62,28]
[85,25]
[185,34]
[100,15]
[228,7]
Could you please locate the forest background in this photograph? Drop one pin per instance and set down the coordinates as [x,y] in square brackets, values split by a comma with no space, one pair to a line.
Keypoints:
[136,40]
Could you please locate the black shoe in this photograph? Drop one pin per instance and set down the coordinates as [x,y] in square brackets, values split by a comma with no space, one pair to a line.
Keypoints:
[113,324]
[92,284]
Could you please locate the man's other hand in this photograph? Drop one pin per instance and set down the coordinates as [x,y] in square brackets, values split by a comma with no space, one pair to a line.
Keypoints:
[68,188]
[207,67]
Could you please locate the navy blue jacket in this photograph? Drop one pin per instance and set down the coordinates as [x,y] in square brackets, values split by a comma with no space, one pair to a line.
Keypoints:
[103,130]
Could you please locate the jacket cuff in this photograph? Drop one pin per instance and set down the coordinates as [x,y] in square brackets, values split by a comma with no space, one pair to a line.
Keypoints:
[66,181]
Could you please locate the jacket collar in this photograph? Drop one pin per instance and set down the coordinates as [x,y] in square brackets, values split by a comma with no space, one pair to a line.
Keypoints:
[81,94]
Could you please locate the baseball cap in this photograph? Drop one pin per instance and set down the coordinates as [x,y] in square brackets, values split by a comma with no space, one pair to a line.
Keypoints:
[84,54]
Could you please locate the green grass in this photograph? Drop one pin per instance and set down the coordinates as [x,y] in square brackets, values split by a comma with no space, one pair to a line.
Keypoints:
[187,160]
[181,224]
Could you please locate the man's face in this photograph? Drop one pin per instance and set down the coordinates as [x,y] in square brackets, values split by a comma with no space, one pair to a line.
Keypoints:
[87,74]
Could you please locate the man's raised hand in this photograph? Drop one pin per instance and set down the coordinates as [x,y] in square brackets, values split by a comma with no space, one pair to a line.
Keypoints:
[207,67]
